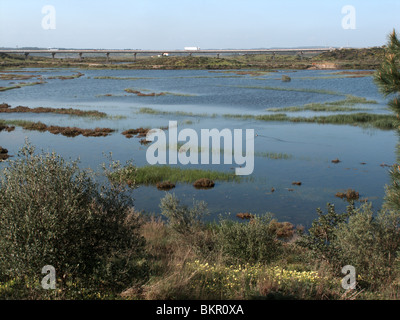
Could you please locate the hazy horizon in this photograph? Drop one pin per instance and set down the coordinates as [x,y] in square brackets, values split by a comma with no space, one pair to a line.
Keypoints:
[222,24]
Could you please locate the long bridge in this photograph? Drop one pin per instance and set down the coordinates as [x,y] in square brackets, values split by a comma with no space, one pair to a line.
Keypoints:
[107,52]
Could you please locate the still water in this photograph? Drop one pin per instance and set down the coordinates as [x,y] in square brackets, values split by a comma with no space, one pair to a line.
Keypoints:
[199,100]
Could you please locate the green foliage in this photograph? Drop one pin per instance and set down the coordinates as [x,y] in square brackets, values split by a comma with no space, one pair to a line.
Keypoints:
[321,237]
[392,194]
[151,175]
[319,91]
[356,238]
[53,213]
[387,78]
[356,55]
[330,106]
[369,244]
[248,242]
[181,218]
[379,121]
[18,86]
[388,75]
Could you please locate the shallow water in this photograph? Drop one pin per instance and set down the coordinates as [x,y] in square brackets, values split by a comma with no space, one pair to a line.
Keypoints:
[310,147]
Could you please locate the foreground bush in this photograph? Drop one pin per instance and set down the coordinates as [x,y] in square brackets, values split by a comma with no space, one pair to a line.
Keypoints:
[181,218]
[53,213]
[367,241]
[253,241]
[370,244]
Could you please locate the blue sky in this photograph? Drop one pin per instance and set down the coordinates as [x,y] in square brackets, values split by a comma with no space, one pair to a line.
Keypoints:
[208,24]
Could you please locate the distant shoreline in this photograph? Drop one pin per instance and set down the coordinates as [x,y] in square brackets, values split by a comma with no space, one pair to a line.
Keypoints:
[339,59]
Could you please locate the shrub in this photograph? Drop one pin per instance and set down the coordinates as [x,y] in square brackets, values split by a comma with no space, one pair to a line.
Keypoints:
[283,230]
[53,213]
[358,238]
[321,236]
[181,218]
[189,229]
[369,244]
[248,242]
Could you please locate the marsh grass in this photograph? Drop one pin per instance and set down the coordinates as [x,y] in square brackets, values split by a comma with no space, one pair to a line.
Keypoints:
[177,94]
[208,77]
[20,85]
[151,175]
[339,75]
[147,110]
[156,94]
[65,131]
[239,73]
[263,117]
[378,121]
[5,108]
[153,78]
[318,91]
[321,77]
[330,106]
[73,76]
[117,117]
[12,76]
[123,78]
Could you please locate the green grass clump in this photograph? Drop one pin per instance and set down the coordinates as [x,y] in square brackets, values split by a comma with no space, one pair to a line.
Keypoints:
[378,121]
[154,94]
[152,111]
[151,175]
[26,124]
[65,131]
[147,110]
[264,117]
[70,111]
[122,78]
[320,91]
[74,76]
[179,94]
[20,85]
[330,106]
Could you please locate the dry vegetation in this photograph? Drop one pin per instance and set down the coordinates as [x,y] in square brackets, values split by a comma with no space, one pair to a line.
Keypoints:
[6,108]
[65,131]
